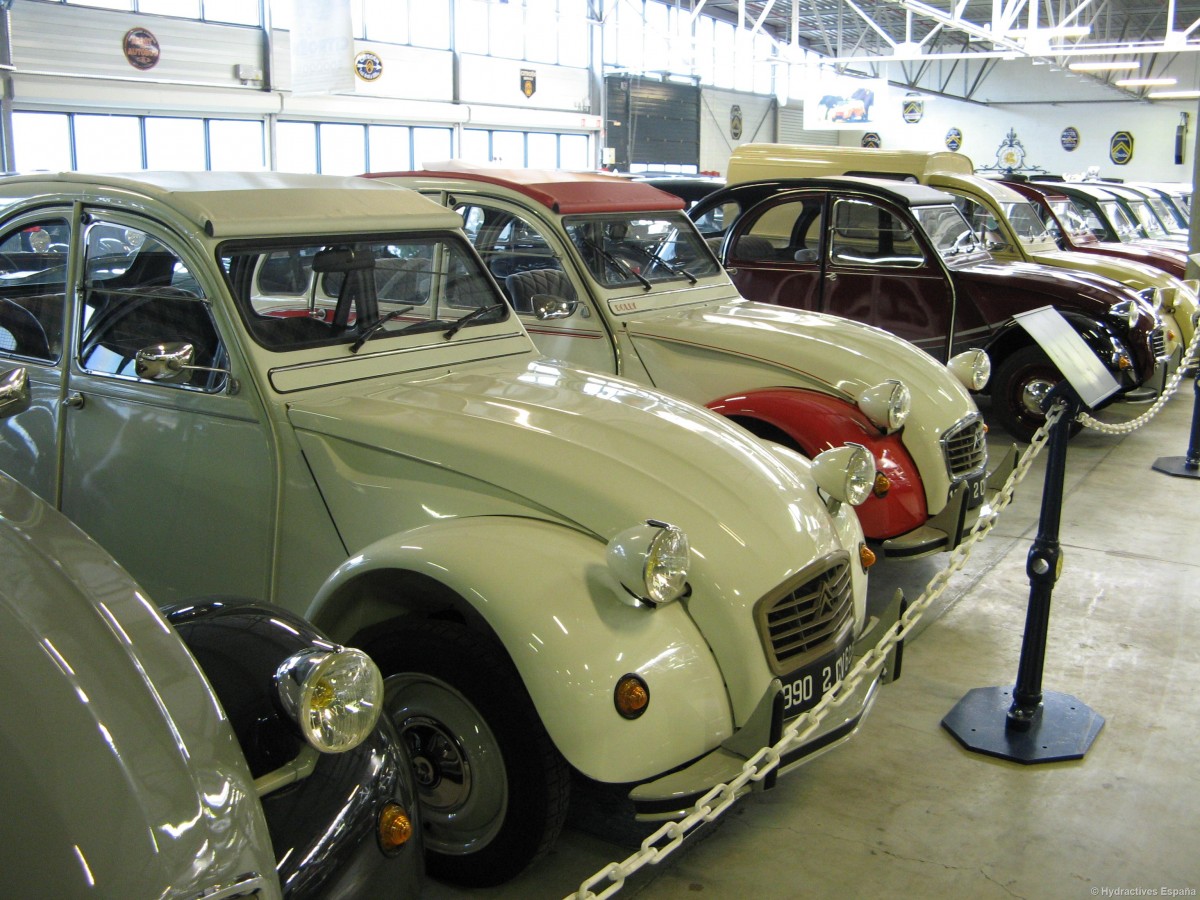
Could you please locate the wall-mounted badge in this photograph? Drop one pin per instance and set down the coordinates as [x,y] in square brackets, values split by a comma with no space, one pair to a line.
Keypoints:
[368,66]
[141,48]
[953,139]
[872,141]
[528,81]
[735,122]
[913,109]
[1120,147]
[1069,138]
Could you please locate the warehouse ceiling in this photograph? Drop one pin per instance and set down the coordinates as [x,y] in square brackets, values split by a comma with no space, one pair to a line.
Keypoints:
[957,47]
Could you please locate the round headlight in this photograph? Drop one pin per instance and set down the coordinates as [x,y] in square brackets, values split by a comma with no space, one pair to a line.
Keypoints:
[972,367]
[886,404]
[845,473]
[1129,310]
[335,696]
[651,561]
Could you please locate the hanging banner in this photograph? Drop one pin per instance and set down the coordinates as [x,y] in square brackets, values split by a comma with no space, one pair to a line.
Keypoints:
[839,102]
[322,47]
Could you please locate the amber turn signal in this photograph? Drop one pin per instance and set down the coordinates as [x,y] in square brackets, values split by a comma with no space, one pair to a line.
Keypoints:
[866,556]
[1124,362]
[882,485]
[632,696]
[395,827]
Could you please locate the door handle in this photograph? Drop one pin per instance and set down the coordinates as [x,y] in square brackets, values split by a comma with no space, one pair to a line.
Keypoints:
[831,276]
[74,401]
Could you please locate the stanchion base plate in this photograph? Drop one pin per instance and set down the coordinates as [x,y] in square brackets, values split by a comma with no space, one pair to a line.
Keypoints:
[1063,729]
[1175,465]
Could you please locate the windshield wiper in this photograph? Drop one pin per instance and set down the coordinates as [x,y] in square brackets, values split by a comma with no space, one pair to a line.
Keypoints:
[477,313]
[671,267]
[618,264]
[374,327]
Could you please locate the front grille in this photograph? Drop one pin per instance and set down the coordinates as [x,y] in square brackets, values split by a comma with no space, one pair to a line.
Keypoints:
[804,618]
[965,448]
[1158,343]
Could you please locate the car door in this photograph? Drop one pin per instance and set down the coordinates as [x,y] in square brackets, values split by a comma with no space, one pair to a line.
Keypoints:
[172,471]
[34,262]
[773,253]
[527,262]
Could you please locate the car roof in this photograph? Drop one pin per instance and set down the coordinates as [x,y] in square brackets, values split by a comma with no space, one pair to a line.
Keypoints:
[906,193]
[242,204]
[1098,190]
[562,192]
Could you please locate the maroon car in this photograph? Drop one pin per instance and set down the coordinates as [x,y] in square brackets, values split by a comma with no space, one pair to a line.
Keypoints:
[901,256]
[1069,225]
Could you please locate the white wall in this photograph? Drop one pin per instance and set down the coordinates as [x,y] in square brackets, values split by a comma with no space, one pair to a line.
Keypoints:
[716,138]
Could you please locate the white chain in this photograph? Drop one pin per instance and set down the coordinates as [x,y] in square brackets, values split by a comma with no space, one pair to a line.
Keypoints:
[1168,390]
[762,763]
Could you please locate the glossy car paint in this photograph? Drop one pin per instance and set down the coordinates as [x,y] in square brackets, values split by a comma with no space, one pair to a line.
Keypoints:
[942,306]
[122,774]
[704,342]
[472,467]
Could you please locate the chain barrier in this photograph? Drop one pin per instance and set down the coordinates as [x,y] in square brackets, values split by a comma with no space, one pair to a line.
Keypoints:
[663,842]
[709,807]
[1172,385]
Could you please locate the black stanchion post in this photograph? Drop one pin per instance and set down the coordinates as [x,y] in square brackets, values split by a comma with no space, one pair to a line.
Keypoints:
[1025,724]
[1185,466]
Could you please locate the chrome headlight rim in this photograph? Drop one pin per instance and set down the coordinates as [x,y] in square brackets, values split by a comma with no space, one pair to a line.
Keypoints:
[887,404]
[1129,311]
[334,695]
[651,562]
[846,473]
[973,368]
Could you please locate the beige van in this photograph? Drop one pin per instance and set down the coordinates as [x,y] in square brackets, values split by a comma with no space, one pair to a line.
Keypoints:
[1007,223]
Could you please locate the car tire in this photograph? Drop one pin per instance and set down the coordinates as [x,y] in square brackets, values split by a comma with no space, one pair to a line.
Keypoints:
[492,787]
[1020,380]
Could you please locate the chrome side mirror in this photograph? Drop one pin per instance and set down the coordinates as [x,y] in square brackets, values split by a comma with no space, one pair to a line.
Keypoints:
[14,393]
[172,362]
[547,306]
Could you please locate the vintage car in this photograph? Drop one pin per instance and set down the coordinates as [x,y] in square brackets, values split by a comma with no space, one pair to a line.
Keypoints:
[611,276]
[307,390]
[902,257]
[1004,221]
[208,788]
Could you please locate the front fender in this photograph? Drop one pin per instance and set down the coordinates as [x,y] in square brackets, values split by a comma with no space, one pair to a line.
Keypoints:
[814,422]
[545,592]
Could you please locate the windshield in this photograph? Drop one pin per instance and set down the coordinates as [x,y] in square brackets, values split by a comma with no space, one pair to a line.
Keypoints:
[949,231]
[622,249]
[1122,222]
[1078,224]
[1145,215]
[1166,213]
[315,292]
[1025,221]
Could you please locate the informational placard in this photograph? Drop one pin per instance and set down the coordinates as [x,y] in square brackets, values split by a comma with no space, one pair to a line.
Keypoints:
[1080,366]
[322,38]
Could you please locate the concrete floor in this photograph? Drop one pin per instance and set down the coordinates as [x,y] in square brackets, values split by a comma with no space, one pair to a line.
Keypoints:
[903,810]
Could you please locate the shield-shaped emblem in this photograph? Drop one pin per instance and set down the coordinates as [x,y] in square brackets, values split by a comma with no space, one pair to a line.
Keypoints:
[914,108]
[528,82]
[1120,147]
[872,140]
[735,122]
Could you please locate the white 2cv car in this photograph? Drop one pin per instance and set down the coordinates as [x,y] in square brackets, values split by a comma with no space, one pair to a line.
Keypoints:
[281,387]
[611,276]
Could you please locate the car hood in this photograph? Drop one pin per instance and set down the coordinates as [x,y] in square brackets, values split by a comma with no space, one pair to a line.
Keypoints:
[597,452]
[1019,286]
[127,778]
[810,349]
[1127,271]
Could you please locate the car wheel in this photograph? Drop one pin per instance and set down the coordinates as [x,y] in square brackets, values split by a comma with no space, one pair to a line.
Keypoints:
[492,787]
[1021,383]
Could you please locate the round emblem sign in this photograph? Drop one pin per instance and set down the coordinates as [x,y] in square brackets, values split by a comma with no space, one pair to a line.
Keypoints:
[1120,147]
[141,48]
[872,141]
[914,108]
[953,139]
[1070,138]
[735,122]
[368,66]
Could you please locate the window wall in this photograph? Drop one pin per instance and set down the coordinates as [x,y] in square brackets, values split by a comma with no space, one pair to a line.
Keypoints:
[233,12]
[537,150]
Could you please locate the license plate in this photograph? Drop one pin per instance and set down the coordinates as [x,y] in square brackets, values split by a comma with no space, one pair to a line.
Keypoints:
[976,490]
[804,688]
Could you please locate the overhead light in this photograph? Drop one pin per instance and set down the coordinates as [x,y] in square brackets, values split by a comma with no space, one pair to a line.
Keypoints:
[1174,95]
[1115,66]
[1145,82]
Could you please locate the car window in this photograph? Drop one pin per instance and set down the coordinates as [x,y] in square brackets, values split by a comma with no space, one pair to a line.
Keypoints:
[312,293]
[864,233]
[33,279]
[788,231]
[946,228]
[622,249]
[138,295]
[517,254]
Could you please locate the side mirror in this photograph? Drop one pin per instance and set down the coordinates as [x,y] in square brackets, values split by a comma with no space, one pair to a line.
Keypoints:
[173,363]
[547,306]
[14,393]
